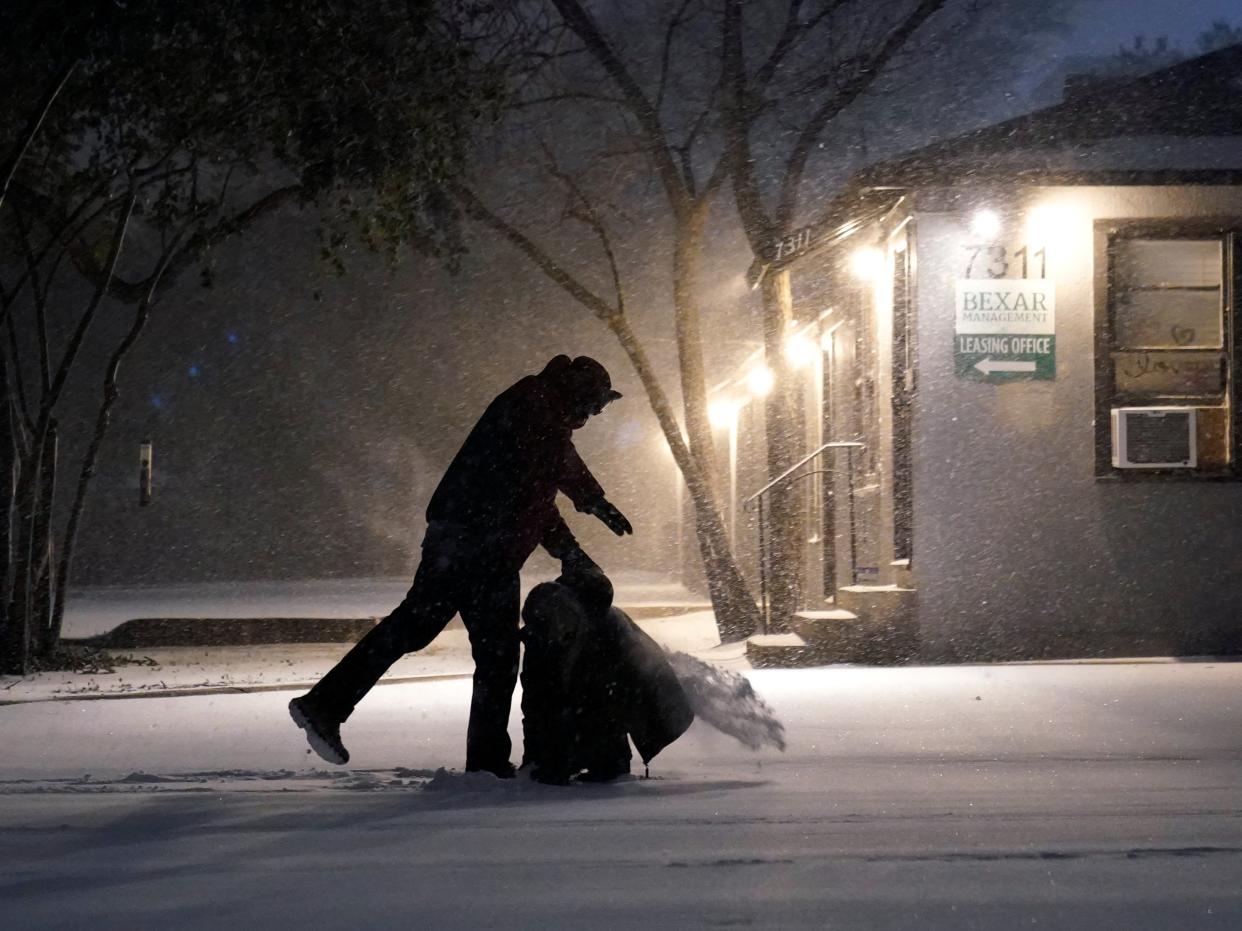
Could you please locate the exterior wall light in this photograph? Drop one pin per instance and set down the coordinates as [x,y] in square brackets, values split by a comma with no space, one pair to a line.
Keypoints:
[722,413]
[799,350]
[760,381]
[985,224]
[1046,224]
[866,263]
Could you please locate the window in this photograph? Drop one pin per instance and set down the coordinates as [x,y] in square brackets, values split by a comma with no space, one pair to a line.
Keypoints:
[1165,339]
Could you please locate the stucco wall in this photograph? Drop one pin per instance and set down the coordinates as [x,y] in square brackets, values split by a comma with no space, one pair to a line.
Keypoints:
[1019,550]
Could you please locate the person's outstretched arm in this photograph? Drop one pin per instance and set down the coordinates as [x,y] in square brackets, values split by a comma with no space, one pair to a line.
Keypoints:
[580,486]
[561,544]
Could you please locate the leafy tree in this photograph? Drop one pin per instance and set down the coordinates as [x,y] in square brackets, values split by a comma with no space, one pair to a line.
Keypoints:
[143,134]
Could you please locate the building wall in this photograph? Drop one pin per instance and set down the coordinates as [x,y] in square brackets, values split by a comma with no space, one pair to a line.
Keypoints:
[1019,550]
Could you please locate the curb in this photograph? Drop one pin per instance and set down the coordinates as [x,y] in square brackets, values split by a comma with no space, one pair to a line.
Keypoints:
[149,632]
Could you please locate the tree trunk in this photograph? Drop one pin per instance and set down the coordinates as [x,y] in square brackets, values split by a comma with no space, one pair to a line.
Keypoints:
[784,443]
[736,614]
[686,255]
[10,643]
[41,548]
[20,608]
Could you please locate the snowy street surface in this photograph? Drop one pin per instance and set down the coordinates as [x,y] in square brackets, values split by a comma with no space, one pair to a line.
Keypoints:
[1090,796]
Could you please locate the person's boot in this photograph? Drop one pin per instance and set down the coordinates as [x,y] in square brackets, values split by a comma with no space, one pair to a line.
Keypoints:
[606,772]
[322,732]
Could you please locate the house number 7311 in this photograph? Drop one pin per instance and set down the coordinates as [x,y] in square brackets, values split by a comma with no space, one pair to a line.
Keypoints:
[996,261]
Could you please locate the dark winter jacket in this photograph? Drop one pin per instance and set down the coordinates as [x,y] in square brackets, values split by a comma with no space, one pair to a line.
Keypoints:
[501,486]
[590,677]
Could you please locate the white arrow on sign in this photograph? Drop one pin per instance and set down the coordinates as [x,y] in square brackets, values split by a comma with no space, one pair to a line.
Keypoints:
[987,366]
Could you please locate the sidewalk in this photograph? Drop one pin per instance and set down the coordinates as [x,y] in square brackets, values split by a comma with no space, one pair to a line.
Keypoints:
[91,612]
[170,671]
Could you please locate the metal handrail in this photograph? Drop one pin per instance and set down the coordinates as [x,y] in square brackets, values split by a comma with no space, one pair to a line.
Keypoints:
[789,476]
[798,465]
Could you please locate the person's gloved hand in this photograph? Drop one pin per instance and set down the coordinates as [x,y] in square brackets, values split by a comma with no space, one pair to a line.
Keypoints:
[587,581]
[613,519]
[576,560]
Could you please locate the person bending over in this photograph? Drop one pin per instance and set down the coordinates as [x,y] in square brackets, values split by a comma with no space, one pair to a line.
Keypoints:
[591,682]
[495,504]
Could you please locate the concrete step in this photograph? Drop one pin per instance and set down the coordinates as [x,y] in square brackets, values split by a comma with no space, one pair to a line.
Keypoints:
[777,651]
[869,624]
[903,575]
[875,599]
[832,635]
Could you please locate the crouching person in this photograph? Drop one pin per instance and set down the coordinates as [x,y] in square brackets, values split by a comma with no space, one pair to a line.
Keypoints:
[592,681]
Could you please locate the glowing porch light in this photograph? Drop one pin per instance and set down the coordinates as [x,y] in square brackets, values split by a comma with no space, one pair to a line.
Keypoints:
[985,224]
[722,413]
[1046,223]
[867,263]
[760,381]
[799,350]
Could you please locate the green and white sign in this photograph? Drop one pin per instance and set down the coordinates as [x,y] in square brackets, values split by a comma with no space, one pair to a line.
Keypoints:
[1006,329]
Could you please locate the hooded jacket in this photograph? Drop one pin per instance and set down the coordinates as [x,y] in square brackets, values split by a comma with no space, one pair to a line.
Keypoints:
[500,489]
[588,671]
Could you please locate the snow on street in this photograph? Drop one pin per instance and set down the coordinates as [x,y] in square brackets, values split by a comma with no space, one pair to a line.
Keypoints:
[1065,796]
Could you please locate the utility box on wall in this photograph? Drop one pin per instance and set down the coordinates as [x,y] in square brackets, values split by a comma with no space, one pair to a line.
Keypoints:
[1154,438]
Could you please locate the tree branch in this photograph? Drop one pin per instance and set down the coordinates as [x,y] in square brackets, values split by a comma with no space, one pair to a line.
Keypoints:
[68,227]
[755,222]
[32,127]
[795,166]
[586,214]
[101,288]
[477,210]
[666,52]
[39,294]
[131,291]
[585,27]
[560,98]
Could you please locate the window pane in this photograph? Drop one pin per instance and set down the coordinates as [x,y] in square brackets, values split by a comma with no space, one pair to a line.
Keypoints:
[1187,263]
[1168,319]
[1169,374]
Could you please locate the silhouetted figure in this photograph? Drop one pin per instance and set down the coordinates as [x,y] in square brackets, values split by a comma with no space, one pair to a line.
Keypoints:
[494,505]
[591,682]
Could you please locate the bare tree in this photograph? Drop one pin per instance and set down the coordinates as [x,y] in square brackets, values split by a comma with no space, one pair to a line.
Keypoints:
[649,112]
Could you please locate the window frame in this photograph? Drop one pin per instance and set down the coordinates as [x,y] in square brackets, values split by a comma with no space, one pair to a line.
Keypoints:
[1107,232]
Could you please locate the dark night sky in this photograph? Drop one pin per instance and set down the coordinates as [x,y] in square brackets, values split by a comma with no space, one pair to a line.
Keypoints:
[1102,25]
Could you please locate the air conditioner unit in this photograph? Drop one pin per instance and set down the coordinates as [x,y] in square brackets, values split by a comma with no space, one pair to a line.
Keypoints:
[1154,438]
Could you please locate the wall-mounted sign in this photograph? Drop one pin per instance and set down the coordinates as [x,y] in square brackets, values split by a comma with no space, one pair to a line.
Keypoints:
[795,243]
[1005,329]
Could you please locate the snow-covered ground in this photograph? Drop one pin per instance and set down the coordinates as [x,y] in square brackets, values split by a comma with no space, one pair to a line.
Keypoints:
[96,610]
[165,670]
[1057,796]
